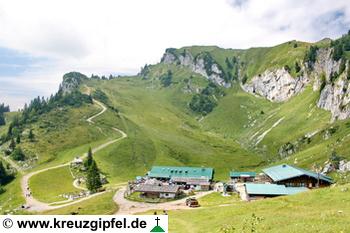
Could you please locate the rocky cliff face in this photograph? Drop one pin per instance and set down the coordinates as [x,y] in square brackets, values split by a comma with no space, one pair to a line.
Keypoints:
[277,85]
[335,95]
[202,64]
[71,81]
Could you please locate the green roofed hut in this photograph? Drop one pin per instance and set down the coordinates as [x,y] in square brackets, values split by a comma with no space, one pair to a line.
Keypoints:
[242,176]
[292,176]
[260,191]
[199,178]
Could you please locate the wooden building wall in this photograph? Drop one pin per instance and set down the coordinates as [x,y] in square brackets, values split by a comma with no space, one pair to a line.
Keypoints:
[303,181]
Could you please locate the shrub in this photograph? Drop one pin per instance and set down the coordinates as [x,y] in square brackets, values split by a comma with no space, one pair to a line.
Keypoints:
[244,79]
[202,104]
[166,79]
[297,67]
[18,154]
[101,96]
[5,177]
[342,66]
[323,82]
[310,56]
[333,76]
[287,68]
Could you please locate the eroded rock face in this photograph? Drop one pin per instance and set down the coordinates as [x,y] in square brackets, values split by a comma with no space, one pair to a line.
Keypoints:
[198,65]
[336,98]
[71,81]
[325,64]
[344,166]
[277,85]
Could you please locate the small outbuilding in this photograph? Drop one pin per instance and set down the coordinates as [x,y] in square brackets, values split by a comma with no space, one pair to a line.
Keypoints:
[77,161]
[292,176]
[242,176]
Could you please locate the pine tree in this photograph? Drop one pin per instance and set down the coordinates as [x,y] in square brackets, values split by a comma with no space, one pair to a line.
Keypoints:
[31,136]
[297,67]
[93,181]
[2,119]
[18,139]
[12,145]
[89,160]
[3,174]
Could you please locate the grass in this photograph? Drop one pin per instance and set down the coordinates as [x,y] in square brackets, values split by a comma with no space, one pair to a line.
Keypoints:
[100,205]
[323,210]
[255,61]
[12,199]
[49,185]
[215,199]
[162,130]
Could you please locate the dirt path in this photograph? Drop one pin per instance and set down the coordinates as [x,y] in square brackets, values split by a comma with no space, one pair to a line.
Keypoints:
[35,205]
[132,207]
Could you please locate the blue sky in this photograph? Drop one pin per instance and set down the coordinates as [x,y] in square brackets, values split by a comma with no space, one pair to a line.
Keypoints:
[41,40]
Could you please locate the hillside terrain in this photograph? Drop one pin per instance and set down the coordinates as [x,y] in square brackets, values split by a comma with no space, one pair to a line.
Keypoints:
[199,106]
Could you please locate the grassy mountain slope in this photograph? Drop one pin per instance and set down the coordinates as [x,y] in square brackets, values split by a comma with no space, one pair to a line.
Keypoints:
[162,130]
[243,132]
[255,61]
[323,210]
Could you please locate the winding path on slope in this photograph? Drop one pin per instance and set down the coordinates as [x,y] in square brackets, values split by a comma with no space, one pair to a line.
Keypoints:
[36,205]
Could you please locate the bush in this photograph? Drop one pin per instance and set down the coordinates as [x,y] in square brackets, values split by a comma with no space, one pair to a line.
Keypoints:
[202,104]
[334,159]
[244,79]
[18,154]
[342,66]
[166,79]
[310,56]
[5,177]
[333,77]
[101,96]
[287,68]
[297,67]
[340,46]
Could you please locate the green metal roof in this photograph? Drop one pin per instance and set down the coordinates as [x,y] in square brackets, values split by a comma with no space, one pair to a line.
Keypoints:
[188,172]
[285,171]
[242,174]
[272,189]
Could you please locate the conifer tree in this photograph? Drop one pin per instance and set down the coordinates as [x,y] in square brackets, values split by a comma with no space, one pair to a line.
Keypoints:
[93,181]
[18,139]
[89,160]
[31,135]
[12,145]
[3,174]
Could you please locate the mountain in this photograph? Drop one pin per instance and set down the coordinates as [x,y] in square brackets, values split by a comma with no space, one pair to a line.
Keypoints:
[199,106]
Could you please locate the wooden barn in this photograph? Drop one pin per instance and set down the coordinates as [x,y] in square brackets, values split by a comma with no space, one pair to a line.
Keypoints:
[292,176]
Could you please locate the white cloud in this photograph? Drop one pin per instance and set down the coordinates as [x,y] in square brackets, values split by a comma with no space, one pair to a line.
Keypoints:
[120,36]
